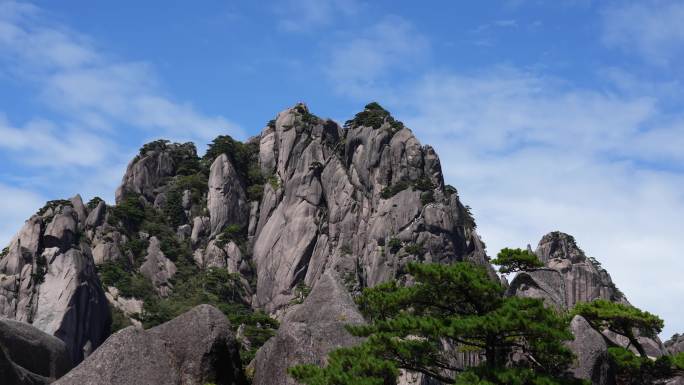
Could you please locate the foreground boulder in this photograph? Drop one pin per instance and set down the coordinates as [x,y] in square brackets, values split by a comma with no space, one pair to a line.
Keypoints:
[308,333]
[30,357]
[195,348]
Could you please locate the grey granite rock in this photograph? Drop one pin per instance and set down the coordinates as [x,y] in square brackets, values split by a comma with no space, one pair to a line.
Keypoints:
[592,361]
[226,201]
[308,333]
[29,356]
[195,348]
[158,269]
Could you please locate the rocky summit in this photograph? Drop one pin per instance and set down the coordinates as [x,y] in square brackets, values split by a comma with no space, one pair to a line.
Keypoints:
[232,267]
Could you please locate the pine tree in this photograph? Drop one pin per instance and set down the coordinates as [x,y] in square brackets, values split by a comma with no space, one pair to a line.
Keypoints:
[514,260]
[447,310]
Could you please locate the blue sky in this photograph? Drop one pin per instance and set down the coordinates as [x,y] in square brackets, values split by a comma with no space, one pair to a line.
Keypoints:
[556,115]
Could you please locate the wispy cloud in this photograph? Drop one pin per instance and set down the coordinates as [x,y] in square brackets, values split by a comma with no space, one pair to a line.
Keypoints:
[651,29]
[89,97]
[15,205]
[308,15]
[364,61]
[531,154]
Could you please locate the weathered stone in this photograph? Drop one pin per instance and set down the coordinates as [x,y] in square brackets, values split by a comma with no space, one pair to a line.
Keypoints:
[148,171]
[29,356]
[157,268]
[200,227]
[71,304]
[591,351]
[193,349]
[61,231]
[308,333]
[226,200]
[97,216]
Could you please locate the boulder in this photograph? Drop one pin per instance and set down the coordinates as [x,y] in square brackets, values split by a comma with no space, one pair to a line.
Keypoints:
[195,348]
[308,333]
[29,356]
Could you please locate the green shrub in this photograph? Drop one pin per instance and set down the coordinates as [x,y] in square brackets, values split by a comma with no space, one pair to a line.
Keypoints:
[427,197]
[130,212]
[157,145]
[301,291]
[394,244]
[4,252]
[274,181]
[173,208]
[374,116]
[232,232]
[414,249]
[92,204]
[119,320]
[394,189]
[449,190]
[423,184]
[53,205]
[40,270]
[346,250]
[255,192]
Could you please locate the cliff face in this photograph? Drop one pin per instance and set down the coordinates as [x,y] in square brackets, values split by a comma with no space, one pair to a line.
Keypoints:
[48,279]
[569,277]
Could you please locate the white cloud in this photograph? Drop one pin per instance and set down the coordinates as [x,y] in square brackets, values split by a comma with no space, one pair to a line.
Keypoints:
[651,29]
[531,155]
[96,105]
[16,206]
[307,15]
[359,64]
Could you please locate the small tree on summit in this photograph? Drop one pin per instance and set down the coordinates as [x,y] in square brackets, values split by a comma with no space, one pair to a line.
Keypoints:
[514,260]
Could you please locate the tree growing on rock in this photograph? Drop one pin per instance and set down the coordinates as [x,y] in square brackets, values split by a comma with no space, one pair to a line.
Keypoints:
[515,260]
[448,310]
[621,319]
[629,322]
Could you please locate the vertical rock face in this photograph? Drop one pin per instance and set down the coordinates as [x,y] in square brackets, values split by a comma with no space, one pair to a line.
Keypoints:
[361,201]
[195,348]
[226,201]
[591,351]
[30,357]
[48,279]
[346,208]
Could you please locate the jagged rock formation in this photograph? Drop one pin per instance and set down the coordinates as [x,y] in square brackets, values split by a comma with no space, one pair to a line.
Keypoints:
[569,277]
[195,348]
[48,279]
[147,173]
[361,201]
[675,344]
[30,357]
